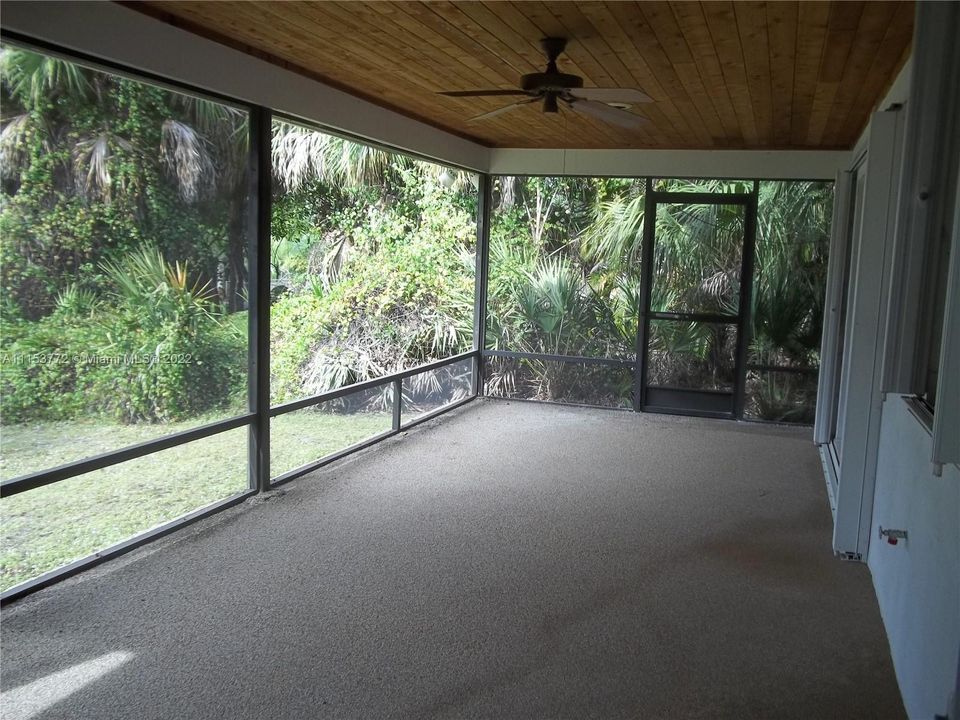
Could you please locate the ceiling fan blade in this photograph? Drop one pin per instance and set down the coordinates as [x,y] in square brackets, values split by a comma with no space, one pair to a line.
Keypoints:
[612,115]
[612,95]
[483,93]
[506,108]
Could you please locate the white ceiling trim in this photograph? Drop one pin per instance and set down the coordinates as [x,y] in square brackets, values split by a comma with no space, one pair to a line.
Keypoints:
[734,164]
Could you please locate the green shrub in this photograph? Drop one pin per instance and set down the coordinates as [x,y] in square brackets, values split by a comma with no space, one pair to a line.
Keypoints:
[403,294]
[172,372]
[156,350]
[38,379]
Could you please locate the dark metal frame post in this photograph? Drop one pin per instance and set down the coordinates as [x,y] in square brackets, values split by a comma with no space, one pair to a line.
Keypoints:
[646,275]
[258,311]
[485,194]
[397,403]
[745,321]
[395,380]
[258,215]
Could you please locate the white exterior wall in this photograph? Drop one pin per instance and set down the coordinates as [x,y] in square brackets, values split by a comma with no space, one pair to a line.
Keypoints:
[917,581]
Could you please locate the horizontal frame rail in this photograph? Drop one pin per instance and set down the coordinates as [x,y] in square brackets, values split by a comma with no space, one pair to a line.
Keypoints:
[293,405]
[704,391]
[114,457]
[562,403]
[673,197]
[694,317]
[363,444]
[332,457]
[712,415]
[65,571]
[783,369]
[547,357]
[436,412]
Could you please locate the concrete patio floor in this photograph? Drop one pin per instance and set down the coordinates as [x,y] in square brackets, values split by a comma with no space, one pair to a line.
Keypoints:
[506,560]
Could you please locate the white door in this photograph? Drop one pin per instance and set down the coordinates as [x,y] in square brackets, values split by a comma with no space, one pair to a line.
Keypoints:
[838,420]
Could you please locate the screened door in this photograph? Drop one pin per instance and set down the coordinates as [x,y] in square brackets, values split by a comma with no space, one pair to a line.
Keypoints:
[699,254]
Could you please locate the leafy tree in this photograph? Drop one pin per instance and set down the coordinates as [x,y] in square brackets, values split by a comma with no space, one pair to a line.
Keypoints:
[95,165]
[107,180]
[373,260]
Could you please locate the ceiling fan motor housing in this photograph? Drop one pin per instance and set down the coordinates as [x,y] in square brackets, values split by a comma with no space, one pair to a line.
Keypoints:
[555,81]
[551,83]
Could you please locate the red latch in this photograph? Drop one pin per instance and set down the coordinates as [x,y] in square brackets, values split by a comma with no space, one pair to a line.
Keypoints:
[892,536]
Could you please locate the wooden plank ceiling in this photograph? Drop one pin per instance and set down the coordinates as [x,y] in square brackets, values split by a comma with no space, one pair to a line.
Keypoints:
[722,74]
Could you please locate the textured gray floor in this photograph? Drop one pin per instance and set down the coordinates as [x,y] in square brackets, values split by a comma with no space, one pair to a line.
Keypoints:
[508,560]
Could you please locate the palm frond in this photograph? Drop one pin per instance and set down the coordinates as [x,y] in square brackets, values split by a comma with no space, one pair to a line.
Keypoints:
[209,116]
[301,155]
[32,77]
[185,153]
[160,292]
[14,153]
[506,186]
[74,301]
[91,165]
[298,155]
[616,235]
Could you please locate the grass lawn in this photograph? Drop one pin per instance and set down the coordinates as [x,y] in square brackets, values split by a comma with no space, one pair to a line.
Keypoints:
[48,527]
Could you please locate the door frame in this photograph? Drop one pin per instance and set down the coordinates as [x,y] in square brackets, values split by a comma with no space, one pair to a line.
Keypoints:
[742,320]
[851,467]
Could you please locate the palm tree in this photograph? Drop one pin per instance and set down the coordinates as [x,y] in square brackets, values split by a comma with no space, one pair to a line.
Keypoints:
[301,155]
[697,262]
[697,255]
[790,276]
[197,148]
[110,140]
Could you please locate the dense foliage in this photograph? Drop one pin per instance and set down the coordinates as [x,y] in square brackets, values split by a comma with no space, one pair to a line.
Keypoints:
[565,279]
[123,269]
[374,269]
[121,242]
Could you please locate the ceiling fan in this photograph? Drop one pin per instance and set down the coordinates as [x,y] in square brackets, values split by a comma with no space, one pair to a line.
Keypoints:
[557,89]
